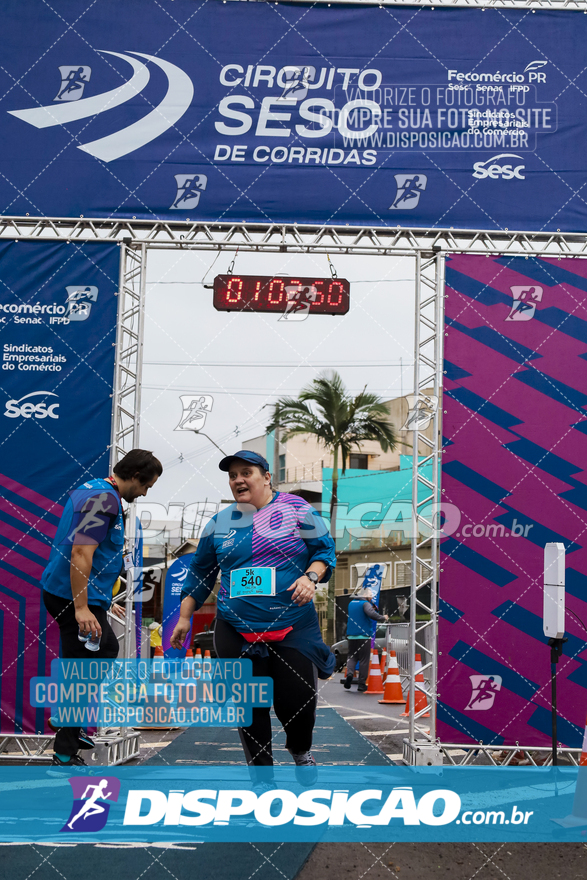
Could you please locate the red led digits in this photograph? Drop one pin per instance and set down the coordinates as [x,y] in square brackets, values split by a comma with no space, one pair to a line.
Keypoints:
[234,289]
[318,284]
[276,291]
[335,297]
[267,293]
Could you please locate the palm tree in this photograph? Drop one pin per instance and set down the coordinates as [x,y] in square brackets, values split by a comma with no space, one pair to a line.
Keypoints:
[340,422]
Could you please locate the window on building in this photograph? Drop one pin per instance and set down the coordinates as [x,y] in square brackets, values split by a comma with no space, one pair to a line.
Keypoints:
[357,460]
[282,468]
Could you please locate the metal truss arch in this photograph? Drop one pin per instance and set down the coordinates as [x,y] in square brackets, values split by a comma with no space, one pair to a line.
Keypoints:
[428,363]
[428,247]
[295,238]
[565,5]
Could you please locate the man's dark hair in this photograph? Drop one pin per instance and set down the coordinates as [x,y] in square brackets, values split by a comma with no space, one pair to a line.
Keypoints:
[138,463]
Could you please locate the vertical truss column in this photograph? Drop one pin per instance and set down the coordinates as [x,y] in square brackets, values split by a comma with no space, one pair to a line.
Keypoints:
[127,387]
[129,351]
[428,362]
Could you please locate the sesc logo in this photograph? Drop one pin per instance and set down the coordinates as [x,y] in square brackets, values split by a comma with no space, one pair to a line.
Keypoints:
[489,168]
[30,408]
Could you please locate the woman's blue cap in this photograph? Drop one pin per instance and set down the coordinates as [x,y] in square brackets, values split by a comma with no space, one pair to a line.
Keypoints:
[244,455]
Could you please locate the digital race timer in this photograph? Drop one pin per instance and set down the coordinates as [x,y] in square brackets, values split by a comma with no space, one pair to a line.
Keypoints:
[273,293]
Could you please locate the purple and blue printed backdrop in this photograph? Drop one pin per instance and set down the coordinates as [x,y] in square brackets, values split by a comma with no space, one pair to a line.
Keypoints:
[174,581]
[55,418]
[515,452]
[211,111]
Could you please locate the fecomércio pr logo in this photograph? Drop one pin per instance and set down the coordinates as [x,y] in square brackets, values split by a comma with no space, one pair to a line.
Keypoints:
[79,301]
[90,802]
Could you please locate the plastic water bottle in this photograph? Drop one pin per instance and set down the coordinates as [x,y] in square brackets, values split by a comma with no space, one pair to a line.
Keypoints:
[92,643]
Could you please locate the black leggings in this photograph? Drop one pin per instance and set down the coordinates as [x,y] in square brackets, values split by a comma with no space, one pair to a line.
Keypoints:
[294,695]
[63,612]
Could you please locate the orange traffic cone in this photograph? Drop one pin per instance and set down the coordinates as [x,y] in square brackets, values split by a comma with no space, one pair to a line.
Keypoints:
[420,701]
[392,689]
[159,651]
[374,683]
[198,654]
[207,666]
[383,665]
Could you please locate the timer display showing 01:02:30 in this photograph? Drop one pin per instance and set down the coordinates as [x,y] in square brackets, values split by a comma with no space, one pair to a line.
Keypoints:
[268,293]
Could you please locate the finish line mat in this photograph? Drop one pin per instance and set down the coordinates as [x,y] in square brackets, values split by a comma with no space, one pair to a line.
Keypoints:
[335,742]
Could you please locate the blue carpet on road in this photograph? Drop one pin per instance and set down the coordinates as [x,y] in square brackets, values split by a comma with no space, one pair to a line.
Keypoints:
[206,861]
[335,742]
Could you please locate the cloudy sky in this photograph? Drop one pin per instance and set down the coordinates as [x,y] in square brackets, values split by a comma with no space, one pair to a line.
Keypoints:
[246,361]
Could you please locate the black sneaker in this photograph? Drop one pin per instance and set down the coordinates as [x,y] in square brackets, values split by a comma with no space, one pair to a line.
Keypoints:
[348,681]
[306,769]
[85,740]
[362,688]
[74,761]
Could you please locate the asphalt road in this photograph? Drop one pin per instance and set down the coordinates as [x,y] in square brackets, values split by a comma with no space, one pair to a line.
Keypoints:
[380,724]
[453,861]
[383,726]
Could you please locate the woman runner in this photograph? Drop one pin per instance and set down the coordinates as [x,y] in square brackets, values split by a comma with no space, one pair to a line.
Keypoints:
[272,550]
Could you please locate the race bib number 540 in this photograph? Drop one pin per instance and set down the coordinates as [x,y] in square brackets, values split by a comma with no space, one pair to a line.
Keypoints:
[258,581]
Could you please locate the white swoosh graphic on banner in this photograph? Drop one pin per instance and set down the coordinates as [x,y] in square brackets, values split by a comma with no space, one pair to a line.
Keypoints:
[60,114]
[172,107]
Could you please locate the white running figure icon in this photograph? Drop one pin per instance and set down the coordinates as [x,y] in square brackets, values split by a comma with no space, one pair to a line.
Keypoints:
[91,509]
[91,808]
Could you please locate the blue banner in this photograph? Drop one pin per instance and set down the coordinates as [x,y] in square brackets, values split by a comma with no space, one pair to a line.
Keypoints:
[58,306]
[339,804]
[372,580]
[216,111]
[174,581]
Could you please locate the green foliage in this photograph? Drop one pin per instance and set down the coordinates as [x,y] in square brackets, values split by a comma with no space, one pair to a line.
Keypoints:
[341,422]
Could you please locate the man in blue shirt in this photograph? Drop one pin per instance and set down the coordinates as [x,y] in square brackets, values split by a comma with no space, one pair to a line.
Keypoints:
[361,626]
[272,549]
[84,564]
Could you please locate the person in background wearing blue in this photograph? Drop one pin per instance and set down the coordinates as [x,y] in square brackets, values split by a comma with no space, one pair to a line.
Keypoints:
[84,565]
[361,625]
[280,540]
